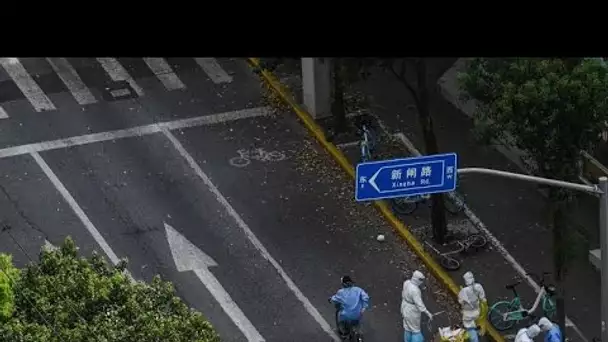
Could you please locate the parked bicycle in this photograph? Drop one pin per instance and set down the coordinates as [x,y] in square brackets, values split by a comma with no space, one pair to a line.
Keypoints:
[446,259]
[504,314]
[407,205]
[368,141]
[245,156]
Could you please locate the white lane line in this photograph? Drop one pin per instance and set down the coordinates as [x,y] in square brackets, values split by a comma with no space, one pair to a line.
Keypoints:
[74,205]
[26,84]
[251,236]
[118,73]
[214,70]
[72,80]
[495,242]
[3,113]
[165,74]
[134,132]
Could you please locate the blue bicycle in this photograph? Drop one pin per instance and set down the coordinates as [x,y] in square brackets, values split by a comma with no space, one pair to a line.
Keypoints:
[368,142]
[349,331]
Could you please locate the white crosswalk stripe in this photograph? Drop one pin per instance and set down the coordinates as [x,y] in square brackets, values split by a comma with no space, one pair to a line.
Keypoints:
[72,73]
[213,70]
[165,74]
[72,81]
[3,114]
[118,73]
[26,84]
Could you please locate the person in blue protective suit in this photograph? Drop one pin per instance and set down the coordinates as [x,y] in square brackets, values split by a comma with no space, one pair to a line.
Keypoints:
[551,330]
[351,301]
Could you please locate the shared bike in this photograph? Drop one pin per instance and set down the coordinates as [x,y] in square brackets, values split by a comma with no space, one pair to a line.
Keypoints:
[351,332]
[368,143]
[503,315]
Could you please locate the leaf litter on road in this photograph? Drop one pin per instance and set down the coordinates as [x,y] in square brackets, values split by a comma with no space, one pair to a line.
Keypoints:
[363,217]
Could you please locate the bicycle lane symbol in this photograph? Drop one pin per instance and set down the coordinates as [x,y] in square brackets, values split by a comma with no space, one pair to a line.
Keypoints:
[245,156]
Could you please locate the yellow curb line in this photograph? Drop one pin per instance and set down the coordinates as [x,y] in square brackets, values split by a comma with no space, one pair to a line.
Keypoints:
[411,240]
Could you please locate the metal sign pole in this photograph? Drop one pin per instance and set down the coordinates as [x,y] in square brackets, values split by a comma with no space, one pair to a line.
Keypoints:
[603,185]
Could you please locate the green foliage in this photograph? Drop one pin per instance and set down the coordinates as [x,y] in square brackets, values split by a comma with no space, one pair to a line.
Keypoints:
[69,298]
[8,276]
[550,108]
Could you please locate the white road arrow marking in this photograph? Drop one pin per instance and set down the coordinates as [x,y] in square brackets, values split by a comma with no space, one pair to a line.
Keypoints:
[372,181]
[49,246]
[189,257]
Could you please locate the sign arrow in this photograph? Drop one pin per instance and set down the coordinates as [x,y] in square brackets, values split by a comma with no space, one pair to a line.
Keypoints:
[372,181]
[189,257]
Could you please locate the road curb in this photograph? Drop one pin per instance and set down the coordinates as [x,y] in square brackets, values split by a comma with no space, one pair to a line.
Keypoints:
[382,206]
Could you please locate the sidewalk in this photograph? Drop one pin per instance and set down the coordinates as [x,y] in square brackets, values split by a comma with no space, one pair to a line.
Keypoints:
[513,211]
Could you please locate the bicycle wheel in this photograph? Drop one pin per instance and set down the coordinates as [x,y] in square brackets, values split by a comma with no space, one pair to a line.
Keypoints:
[371,137]
[451,206]
[495,316]
[365,153]
[477,240]
[356,335]
[449,263]
[404,206]
[239,161]
[275,156]
[549,306]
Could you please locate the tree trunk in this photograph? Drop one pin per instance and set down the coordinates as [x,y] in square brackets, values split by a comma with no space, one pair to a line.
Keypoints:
[426,122]
[337,105]
[560,245]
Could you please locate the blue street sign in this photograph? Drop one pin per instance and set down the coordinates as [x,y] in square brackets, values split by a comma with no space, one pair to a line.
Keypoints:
[406,177]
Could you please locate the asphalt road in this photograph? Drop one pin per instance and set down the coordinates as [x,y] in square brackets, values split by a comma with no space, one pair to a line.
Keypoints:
[257,244]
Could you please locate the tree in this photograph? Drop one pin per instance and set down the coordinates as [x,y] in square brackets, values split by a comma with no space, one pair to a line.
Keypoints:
[412,74]
[551,109]
[419,91]
[68,298]
[338,109]
[7,293]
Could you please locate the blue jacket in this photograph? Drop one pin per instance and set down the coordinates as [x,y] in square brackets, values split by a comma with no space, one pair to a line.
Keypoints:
[553,335]
[351,300]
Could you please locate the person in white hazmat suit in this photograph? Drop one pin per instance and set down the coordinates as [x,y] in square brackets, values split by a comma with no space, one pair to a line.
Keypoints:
[412,307]
[527,334]
[472,299]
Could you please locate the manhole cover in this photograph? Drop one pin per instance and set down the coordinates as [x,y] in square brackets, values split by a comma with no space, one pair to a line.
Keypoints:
[120,92]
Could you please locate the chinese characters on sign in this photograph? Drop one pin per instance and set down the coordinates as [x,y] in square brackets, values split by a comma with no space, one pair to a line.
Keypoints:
[449,172]
[424,171]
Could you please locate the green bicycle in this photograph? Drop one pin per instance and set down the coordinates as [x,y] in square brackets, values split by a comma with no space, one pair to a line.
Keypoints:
[504,314]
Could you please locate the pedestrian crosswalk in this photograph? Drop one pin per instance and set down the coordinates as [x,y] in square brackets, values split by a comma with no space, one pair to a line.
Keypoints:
[214,70]
[72,80]
[163,71]
[32,76]
[27,84]
[118,73]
